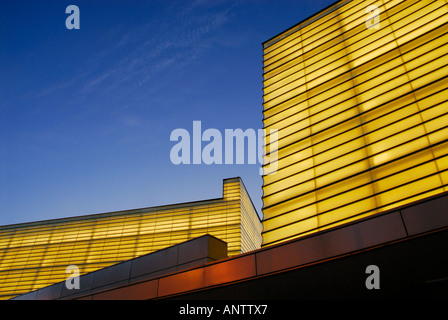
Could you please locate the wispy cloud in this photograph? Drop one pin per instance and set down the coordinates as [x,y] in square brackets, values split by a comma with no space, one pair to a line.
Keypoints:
[145,59]
[159,46]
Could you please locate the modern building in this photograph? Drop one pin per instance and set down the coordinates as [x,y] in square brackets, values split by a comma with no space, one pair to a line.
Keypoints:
[34,255]
[359,96]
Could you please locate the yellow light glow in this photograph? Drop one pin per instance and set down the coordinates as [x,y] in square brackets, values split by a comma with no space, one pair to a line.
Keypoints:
[363,115]
[36,254]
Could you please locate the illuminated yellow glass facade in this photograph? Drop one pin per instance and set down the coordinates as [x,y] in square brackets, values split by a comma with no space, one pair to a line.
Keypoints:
[34,255]
[361,114]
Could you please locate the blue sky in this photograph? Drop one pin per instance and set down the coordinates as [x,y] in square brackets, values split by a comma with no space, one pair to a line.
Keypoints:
[86,115]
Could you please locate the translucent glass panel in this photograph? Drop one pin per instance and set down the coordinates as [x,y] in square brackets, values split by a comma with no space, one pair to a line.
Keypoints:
[360,114]
[36,254]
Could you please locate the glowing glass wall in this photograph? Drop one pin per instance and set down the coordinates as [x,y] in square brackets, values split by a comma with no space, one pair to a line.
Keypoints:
[34,255]
[361,114]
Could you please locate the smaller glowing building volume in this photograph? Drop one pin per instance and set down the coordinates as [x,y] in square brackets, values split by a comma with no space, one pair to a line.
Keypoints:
[36,254]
